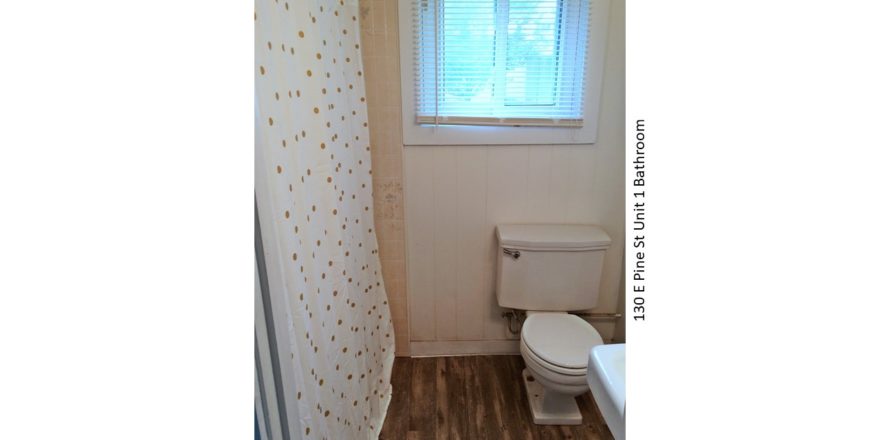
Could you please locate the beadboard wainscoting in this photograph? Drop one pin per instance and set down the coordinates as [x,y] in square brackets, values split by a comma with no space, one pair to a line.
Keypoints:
[455,195]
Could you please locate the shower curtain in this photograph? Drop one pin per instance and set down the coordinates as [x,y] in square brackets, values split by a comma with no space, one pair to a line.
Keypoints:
[311,122]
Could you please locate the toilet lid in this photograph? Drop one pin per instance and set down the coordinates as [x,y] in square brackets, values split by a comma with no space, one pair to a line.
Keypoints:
[560,339]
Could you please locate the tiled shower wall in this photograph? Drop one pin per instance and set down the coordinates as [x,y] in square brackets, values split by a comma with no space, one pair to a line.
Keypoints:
[378,20]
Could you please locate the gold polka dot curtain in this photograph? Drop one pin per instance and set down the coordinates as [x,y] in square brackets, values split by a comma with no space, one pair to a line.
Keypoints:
[311,122]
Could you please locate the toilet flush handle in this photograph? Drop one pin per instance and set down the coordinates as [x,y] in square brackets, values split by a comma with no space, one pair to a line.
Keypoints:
[512,252]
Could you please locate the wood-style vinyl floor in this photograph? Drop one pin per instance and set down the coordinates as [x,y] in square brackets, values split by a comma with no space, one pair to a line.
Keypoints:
[472,397]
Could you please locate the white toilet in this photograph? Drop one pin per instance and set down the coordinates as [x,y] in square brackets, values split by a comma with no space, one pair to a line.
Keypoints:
[549,270]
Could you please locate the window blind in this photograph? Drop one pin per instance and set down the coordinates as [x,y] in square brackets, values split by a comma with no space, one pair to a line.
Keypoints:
[500,62]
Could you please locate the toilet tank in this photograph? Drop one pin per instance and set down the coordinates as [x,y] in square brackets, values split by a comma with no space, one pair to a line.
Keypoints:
[550,267]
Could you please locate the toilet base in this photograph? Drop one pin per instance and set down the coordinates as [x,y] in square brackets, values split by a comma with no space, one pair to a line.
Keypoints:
[549,407]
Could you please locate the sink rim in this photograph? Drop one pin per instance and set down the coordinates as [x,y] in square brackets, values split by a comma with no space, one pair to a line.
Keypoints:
[609,363]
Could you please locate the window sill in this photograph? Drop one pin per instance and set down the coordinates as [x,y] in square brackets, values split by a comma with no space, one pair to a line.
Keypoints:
[423,134]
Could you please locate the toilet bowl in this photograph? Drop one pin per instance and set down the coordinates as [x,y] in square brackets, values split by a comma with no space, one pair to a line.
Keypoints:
[556,349]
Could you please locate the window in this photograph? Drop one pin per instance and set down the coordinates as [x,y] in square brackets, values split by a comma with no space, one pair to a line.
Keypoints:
[477,70]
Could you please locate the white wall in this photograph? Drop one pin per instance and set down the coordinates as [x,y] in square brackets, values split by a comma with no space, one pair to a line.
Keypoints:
[455,195]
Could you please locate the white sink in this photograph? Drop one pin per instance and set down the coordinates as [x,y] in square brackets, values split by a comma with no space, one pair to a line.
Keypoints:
[607,378]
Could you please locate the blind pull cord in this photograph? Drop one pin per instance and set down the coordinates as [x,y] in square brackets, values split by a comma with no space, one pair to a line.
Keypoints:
[436,66]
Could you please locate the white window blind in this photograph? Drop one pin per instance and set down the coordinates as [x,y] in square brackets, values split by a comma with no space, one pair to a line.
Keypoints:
[500,62]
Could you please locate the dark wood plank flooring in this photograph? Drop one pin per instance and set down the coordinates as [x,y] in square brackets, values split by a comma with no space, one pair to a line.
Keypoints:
[473,397]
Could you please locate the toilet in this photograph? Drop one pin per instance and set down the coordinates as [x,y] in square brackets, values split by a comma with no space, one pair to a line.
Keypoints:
[548,270]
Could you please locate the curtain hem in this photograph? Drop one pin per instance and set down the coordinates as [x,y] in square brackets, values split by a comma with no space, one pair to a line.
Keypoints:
[385,405]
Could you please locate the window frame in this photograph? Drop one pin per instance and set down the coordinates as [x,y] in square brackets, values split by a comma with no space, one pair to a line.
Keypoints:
[429,134]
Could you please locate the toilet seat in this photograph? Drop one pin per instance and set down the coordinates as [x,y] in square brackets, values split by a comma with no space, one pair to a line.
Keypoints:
[551,375]
[559,342]
[565,372]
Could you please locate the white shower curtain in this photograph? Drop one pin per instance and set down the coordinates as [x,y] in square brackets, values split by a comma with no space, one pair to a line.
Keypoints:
[312,130]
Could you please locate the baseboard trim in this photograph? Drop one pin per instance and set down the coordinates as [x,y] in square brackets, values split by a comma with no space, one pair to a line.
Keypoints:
[459,348]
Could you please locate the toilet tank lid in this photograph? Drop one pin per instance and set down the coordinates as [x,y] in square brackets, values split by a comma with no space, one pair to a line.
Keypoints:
[552,237]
